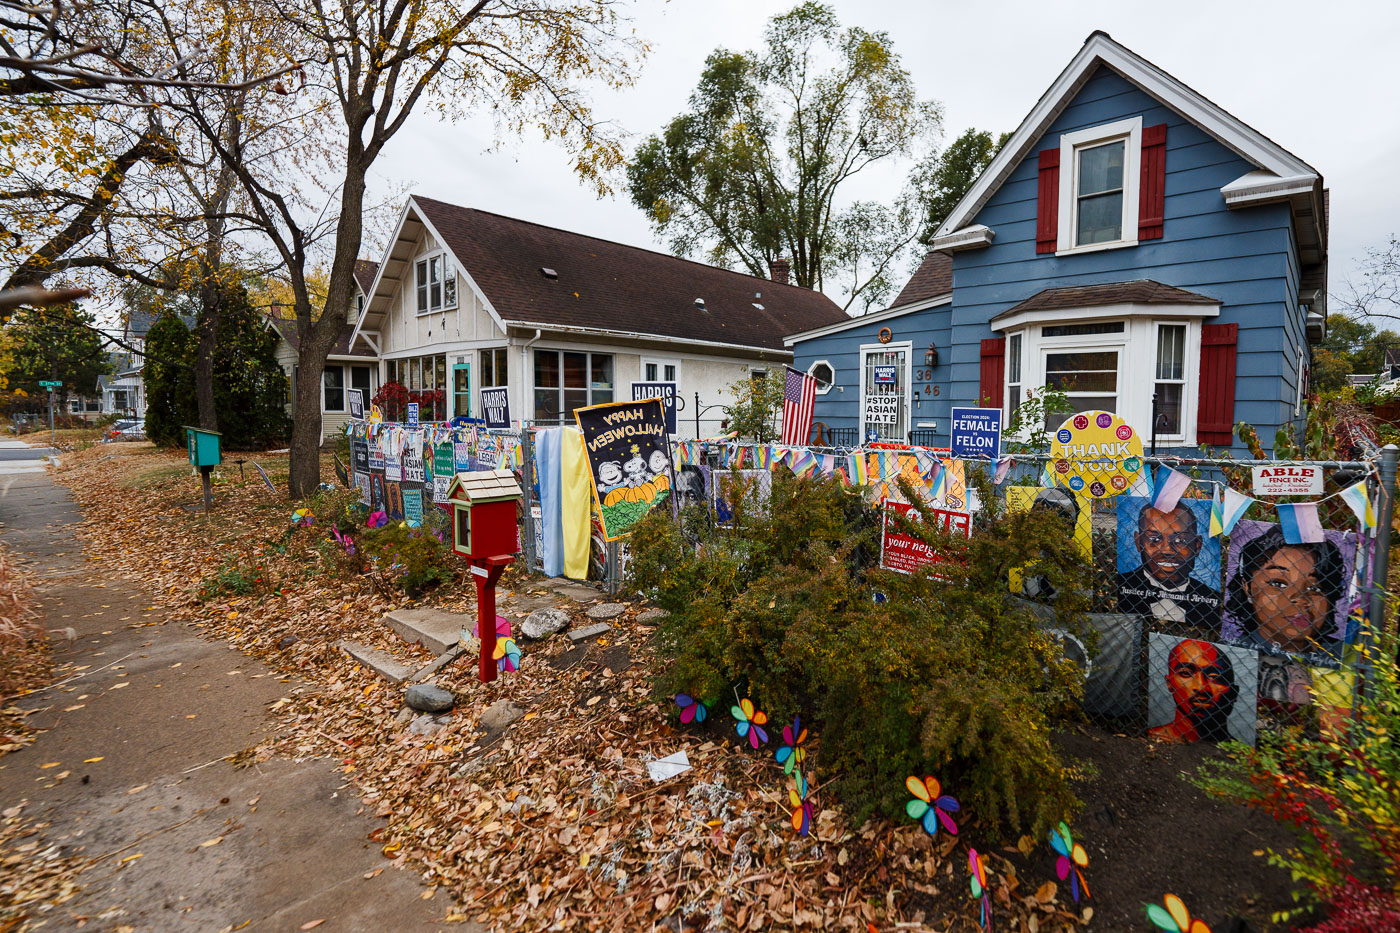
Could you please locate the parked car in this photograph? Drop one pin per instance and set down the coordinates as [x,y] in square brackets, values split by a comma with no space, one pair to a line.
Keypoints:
[129,429]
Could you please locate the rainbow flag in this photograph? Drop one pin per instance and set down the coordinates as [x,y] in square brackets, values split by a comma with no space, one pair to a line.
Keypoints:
[803,462]
[1359,499]
[763,457]
[857,470]
[1300,523]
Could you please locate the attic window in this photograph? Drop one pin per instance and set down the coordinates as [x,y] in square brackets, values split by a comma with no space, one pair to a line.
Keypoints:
[548,273]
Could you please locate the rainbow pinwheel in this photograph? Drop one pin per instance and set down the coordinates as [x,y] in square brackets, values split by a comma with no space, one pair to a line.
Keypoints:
[978,883]
[792,753]
[1072,859]
[801,806]
[750,722]
[1176,918]
[377,519]
[507,655]
[692,710]
[930,805]
[303,517]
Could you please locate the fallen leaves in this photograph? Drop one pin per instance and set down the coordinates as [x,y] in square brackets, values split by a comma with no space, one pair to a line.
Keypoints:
[211,842]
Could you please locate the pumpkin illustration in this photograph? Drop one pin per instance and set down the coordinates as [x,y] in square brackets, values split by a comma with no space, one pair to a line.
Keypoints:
[643,493]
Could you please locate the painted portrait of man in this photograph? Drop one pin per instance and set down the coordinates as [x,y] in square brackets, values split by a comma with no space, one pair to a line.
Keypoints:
[1168,568]
[1200,690]
[690,485]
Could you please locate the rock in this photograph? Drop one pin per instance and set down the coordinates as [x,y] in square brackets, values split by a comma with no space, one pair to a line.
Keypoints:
[429,698]
[652,616]
[606,611]
[580,634]
[427,724]
[501,714]
[287,641]
[404,715]
[544,622]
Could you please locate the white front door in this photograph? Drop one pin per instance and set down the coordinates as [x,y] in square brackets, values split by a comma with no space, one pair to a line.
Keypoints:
[884,397]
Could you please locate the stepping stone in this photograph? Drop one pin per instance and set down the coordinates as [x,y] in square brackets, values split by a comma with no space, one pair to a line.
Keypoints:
[381,662]
[592,631]
[544,622]
[429,698]
[606,611]
[432,628]
[501,714]
[577,592]
[652,616]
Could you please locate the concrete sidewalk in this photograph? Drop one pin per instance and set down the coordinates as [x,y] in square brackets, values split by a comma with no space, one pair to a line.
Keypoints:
[148,706]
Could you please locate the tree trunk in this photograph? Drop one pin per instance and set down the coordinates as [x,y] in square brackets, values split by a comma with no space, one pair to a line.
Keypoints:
[210,299]
[305,473]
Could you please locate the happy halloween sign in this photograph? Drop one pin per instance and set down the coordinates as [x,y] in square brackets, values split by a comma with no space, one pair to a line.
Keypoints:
[628,460]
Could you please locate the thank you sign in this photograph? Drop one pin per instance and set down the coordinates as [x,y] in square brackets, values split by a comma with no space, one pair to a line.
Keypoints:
[976,433]
[666,391]
[495,407]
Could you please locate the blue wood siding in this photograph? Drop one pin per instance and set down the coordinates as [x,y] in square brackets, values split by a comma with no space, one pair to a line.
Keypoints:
[1245,258]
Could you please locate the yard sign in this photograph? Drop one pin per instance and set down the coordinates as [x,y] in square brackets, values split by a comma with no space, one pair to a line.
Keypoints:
[976,433]
[905,553]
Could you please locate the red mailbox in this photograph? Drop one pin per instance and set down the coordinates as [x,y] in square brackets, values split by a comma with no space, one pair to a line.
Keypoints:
[484,531]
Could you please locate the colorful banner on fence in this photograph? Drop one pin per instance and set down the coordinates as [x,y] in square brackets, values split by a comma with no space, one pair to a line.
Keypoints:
[629,461]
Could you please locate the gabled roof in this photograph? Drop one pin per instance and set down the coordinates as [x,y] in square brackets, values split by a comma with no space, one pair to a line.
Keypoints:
[933,278]
[287,330]
[1139,292]
[532,276]
[484,486]
[1281,174]
[365,270]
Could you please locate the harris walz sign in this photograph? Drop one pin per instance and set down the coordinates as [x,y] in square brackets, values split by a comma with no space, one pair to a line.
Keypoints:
[628,460]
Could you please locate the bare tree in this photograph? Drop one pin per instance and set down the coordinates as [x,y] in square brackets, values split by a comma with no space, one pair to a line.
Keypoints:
[1377,292]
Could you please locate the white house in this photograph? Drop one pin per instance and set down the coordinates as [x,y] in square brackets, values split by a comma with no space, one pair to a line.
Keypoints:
[466,299]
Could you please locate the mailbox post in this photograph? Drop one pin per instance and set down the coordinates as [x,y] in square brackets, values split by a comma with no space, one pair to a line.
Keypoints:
[204,454]
[484,531]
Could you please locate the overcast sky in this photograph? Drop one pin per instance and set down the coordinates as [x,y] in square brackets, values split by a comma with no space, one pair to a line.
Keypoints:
[1321,79]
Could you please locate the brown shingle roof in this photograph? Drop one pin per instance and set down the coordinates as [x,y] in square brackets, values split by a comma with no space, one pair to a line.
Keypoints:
[611,286]
[933,278]
[1140,291]
[288,332]
[364,273]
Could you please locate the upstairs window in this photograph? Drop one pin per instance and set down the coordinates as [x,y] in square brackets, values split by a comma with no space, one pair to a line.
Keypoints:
[435,284]
[1099,181]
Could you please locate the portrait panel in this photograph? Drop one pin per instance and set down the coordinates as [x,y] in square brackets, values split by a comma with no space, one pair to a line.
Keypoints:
[1169,566]
[1200,690]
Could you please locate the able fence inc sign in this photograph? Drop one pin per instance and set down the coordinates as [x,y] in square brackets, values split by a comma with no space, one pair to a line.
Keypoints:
[1288,479]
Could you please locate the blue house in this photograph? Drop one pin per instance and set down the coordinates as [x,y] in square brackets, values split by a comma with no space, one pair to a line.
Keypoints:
[1132,243]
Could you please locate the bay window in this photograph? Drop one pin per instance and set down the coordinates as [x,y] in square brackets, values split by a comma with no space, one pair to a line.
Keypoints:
[1170,383]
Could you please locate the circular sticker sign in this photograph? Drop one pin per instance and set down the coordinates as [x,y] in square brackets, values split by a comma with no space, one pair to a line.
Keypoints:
[1096,453]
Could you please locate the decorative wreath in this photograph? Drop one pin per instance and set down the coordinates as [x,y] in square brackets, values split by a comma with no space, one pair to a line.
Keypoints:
[886,335]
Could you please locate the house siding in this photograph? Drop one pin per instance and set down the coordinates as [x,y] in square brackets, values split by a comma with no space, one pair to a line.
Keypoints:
[1244,258]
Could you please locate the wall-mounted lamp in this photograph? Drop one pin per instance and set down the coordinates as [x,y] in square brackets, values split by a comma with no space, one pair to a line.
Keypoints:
[931,356]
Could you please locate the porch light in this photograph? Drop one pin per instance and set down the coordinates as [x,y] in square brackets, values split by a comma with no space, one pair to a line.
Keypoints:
[931,356]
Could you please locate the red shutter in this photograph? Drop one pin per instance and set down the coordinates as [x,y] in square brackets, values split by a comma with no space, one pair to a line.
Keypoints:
[1215,408]
[1152,187]
[993,371]
[1047,211]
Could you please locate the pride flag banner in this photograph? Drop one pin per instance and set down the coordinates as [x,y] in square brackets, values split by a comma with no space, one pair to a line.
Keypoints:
[1226,509]
[1170,485]
[1359,500]
[1299,522]
[857,470]
[938,480]
[1003,467]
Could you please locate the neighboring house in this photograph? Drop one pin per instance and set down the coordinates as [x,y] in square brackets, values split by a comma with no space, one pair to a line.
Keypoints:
[124,391]
[353,362]
[466,299]
[1130,240]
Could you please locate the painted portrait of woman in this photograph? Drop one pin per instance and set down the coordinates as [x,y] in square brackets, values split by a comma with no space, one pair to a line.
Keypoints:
[1287,599]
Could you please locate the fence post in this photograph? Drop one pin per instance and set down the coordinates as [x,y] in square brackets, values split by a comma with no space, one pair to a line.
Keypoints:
[527,471]
[1390,455]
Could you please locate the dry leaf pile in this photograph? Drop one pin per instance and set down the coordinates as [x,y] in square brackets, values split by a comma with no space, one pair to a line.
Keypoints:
[25,661]
[553,822]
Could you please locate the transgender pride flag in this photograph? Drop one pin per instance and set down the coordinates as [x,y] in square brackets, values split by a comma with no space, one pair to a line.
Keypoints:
[1299,522]
[1170,485]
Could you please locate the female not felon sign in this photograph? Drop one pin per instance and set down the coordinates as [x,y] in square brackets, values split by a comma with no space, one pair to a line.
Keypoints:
[629,460]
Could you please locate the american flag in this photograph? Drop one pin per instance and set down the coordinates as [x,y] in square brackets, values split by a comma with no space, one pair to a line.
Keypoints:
[799,394]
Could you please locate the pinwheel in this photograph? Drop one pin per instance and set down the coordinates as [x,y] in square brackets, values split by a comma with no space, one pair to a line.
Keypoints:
[377,519]
[507,655]
[692,710]
[1176,918]
[801,806]
[978,883]
[750,722]
[303,517]
[345,541]
[928,802]
[1072,859]
[792,753]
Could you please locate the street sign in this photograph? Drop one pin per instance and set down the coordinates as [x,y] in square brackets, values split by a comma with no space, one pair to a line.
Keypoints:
[48,384]
[976,433]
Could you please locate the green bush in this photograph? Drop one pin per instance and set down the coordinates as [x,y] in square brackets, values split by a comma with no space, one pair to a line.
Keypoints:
[411,558]
[947,676]
[232,579]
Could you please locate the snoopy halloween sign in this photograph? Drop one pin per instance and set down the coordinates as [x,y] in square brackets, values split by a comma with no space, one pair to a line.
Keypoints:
[628,460]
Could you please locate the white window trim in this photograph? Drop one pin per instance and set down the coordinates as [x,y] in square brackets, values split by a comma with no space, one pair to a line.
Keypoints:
[448,271]
[865,350]
[532,388]
[1070,143]
[1137,354]
[661,363]
[823,390]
